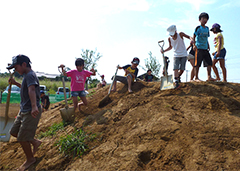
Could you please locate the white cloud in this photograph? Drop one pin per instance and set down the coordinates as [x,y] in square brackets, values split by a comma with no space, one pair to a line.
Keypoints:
[198,3]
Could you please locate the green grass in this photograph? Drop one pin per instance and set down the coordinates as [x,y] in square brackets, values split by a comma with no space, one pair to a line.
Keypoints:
[52,130]
[75,144]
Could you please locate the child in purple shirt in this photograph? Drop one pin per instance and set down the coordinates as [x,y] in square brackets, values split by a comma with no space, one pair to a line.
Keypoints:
[78,79]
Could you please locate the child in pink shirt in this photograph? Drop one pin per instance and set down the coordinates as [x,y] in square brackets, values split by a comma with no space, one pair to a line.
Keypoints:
[78,79]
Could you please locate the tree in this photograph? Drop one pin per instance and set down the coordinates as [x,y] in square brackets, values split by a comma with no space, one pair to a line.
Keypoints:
[90,58]
[153,64]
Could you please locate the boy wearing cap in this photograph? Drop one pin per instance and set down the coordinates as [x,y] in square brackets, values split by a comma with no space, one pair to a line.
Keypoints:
[44,100]
[180,53]
[131,72]
[25,125]
[220,52]
[201,47]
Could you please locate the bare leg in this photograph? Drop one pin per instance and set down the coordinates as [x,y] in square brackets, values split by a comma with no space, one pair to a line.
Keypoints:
[215,69]
[196,74]
[129,80]
[84,102]
[180,72]
[75,102]
[114,86]
[224,71]
[26,146]
[36,143]
[192,71]
[209,74]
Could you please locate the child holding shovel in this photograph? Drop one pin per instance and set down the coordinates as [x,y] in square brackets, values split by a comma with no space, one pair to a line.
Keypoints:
[78,79]
[180,53]
[131,72]
[25,125]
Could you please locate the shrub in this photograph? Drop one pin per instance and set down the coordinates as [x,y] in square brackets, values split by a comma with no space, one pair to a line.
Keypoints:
[75,144]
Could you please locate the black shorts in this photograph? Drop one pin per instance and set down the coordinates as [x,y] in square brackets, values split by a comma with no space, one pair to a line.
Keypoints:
[202,55]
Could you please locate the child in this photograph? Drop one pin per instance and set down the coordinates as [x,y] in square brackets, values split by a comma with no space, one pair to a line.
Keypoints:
[131,72]
[220,52]
[44,100]
[103,83]
[149,76]
[166,63]
[25,125]
[180,53]
[201,47]
[190,58]
[78,79]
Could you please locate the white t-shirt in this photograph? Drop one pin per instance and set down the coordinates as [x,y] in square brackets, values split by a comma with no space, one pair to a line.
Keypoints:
[179,47]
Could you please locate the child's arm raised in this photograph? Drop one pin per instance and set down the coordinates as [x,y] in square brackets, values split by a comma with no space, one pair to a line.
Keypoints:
[93,71]
[185,35]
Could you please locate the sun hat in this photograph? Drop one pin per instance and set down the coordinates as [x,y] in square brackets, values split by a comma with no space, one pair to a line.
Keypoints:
[19,59]
[217,26]
[135,60]
[171,30]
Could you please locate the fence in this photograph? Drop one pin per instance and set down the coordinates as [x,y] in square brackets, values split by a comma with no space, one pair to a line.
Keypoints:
[15,98]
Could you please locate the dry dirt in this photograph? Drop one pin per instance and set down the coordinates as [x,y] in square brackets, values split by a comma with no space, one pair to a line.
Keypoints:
[196,127]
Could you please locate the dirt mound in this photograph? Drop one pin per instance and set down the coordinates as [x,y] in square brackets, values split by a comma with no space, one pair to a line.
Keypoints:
[196,127]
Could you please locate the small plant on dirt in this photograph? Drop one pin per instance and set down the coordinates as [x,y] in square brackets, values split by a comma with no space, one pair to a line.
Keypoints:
[75,144]
[52,130]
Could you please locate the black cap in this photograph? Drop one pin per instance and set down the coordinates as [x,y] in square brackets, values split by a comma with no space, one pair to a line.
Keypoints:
[135,60]
[19,59]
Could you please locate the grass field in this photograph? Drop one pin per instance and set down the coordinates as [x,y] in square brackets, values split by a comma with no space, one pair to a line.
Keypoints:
[51,85]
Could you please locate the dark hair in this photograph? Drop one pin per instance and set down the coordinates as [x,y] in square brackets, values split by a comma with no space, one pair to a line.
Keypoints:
[79,62]
[24,59]
[149,70]
[203,15]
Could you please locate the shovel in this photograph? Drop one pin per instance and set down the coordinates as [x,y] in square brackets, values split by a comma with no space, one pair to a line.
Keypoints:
[167,80]
[106,99]
[67,113]
[8,122]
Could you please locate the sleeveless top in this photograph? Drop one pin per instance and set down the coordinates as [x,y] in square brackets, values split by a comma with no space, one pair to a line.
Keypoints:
[179,47]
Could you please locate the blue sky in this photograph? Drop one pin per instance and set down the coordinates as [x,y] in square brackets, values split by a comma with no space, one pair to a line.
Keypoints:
[54,32]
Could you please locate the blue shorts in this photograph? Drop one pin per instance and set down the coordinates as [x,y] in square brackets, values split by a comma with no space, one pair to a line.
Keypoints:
[78,93]
[222,54]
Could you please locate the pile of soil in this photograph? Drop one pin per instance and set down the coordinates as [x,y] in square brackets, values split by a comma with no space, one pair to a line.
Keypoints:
[196,127]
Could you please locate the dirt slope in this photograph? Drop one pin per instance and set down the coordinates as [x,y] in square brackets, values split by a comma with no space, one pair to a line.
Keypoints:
[196,127]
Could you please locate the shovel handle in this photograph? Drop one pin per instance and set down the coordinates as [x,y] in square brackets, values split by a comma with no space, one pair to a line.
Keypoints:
[161,44]
[113,80]
[8,98]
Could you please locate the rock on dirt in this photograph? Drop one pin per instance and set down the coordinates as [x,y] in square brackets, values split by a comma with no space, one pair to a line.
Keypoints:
[196,127]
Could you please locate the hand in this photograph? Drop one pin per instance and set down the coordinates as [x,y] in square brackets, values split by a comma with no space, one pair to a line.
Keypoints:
[61,66]
[194,47]
[92,70]
[213,53]
[162,51]
[11,81]
[217,54]
[34,112]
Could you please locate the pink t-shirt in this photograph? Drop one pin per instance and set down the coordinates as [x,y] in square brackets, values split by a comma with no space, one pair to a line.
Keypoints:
[78,79]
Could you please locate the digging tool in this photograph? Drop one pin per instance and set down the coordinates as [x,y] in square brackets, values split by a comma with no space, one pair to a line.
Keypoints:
[8,122]
[167,80]
[106,98]
[67,113]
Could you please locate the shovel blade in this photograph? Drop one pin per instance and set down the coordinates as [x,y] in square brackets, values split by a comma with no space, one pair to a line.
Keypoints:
[68,114]
[4,129]
[104,101]
[167,82]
